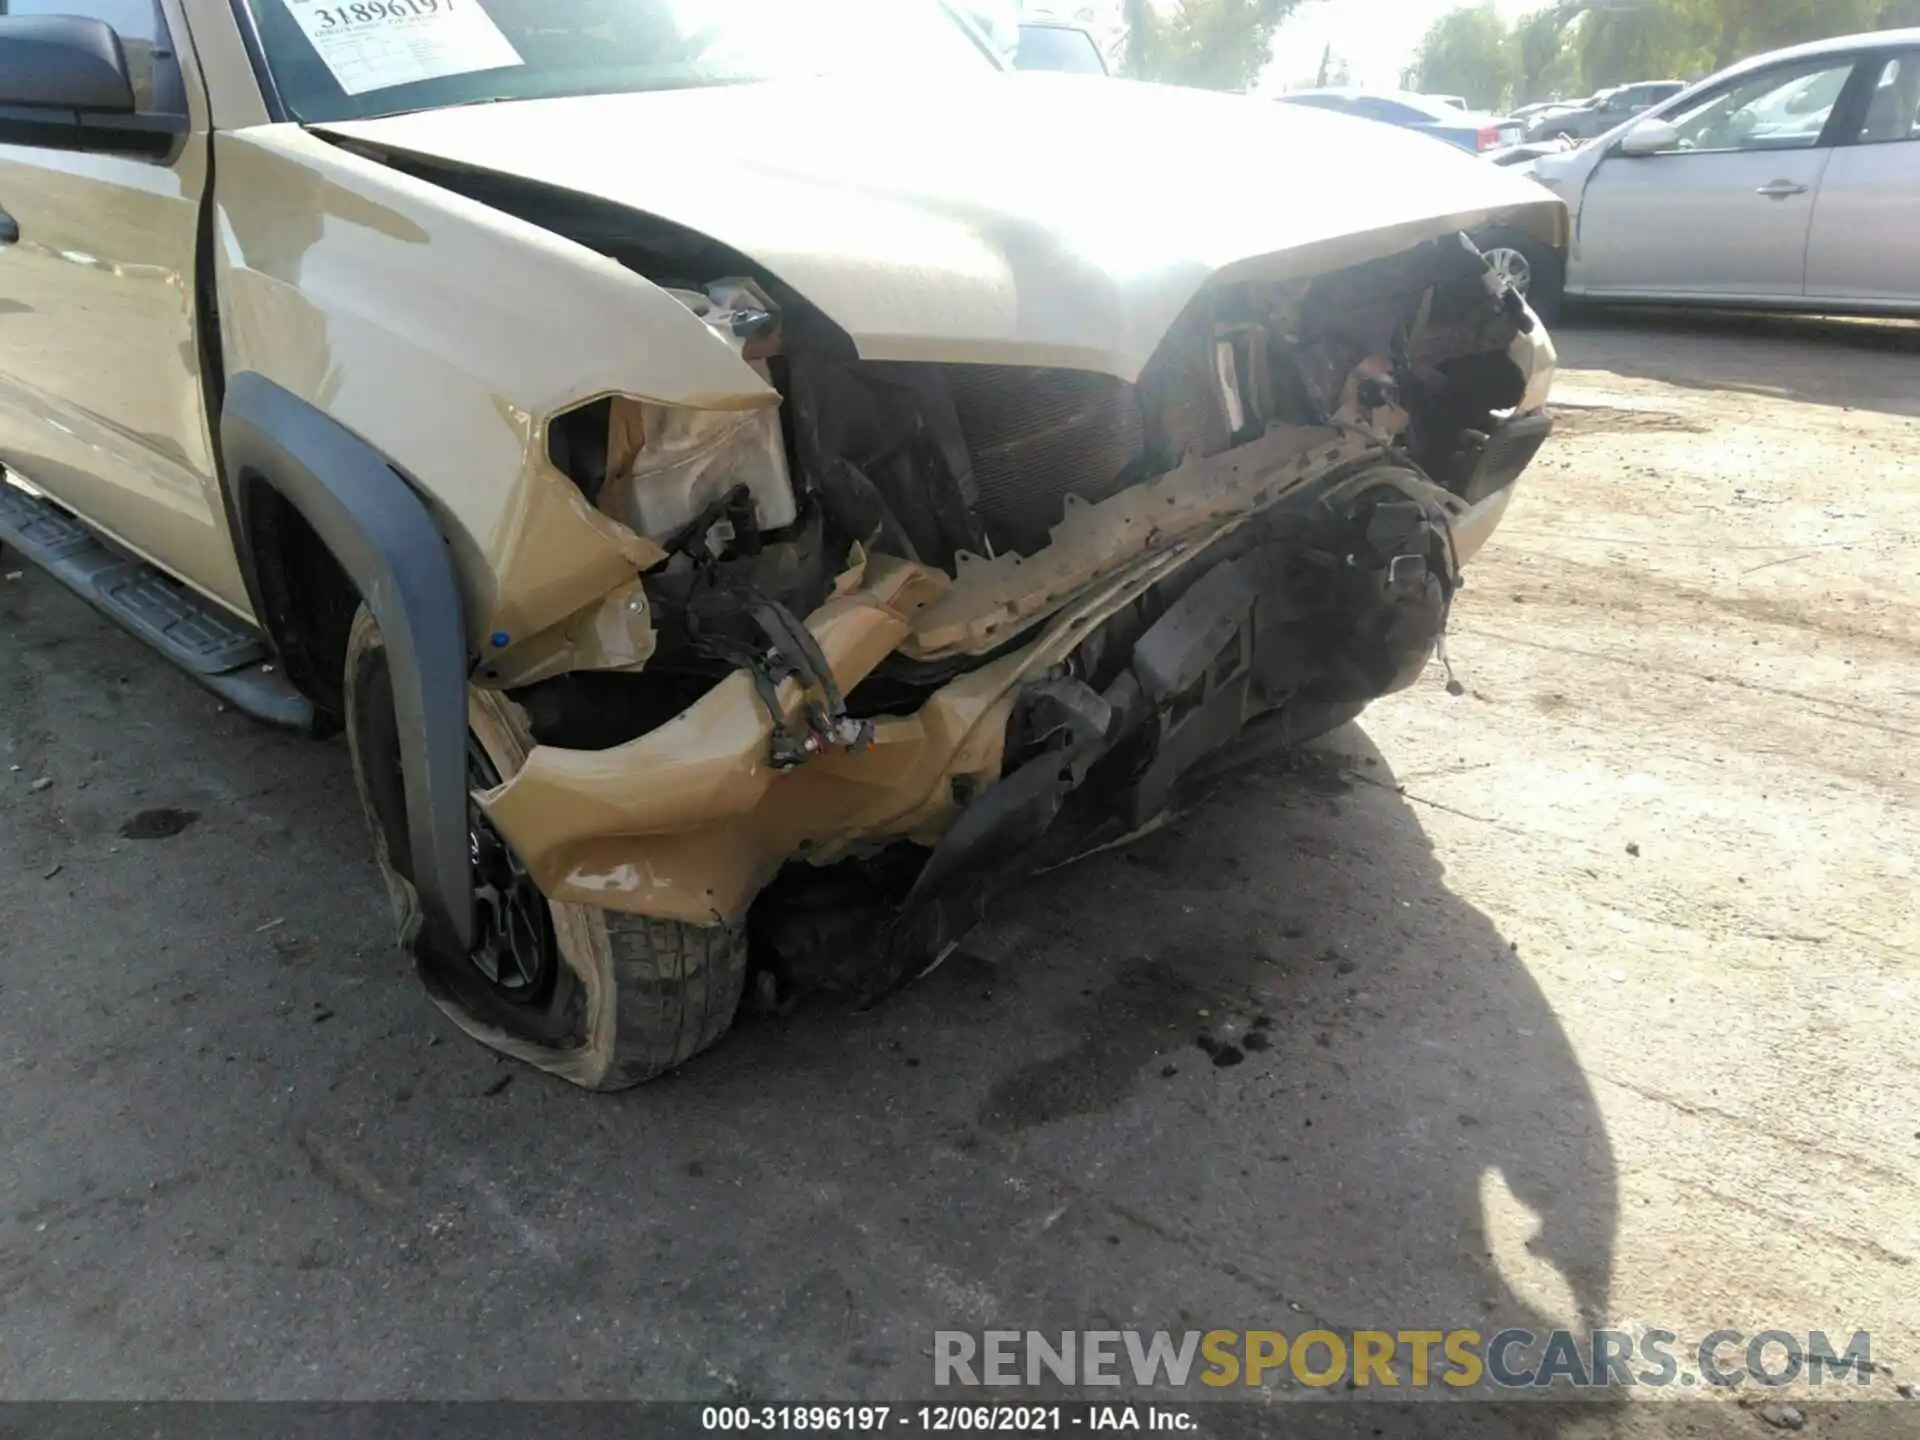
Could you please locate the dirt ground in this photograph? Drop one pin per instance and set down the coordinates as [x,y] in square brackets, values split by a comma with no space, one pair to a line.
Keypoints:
[1591,995]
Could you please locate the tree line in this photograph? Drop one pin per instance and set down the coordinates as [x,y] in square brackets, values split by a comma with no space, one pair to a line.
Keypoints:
[1574,47]
[1566,48]
[1218,44]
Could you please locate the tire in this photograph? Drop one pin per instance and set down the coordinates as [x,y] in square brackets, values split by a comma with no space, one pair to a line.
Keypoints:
[617,999]
[1546,282]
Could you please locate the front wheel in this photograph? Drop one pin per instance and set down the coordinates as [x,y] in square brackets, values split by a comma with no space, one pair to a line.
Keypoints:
[1533,269]
[600,998]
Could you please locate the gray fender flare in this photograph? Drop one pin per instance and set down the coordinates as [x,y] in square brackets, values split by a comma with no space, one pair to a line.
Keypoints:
[385,539]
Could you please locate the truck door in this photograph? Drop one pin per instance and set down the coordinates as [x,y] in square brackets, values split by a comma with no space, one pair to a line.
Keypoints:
[101,404]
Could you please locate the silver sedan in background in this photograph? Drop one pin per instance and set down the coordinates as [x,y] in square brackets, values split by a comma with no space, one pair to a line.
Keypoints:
[1789,182]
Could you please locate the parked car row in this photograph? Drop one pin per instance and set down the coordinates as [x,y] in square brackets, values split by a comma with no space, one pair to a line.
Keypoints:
[1789,181]
[1598,113]
[1449,118]
[1047,43]
[1433,115]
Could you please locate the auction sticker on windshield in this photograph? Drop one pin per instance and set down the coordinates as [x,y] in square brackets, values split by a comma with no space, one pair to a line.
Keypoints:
[375,44]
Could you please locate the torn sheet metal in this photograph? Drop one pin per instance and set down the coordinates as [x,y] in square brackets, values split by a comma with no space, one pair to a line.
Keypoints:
[614,633]
[333,272]
[690,821]
[685,460]
[993,600]
[666,464]
[556,556]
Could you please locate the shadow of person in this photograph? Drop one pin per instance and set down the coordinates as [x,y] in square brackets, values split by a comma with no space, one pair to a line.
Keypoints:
[1030,1138]
[1392,1076]
[1262,1069]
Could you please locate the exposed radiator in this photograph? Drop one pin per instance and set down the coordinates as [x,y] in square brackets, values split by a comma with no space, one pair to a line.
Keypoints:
[1038,436]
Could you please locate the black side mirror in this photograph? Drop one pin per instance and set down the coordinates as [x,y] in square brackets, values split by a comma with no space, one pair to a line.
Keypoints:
[63,62]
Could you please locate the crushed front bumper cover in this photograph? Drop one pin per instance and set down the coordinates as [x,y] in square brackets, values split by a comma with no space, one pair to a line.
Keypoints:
[1302,571]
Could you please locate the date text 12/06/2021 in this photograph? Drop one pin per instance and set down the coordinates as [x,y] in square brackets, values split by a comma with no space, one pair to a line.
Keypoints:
[948,1419]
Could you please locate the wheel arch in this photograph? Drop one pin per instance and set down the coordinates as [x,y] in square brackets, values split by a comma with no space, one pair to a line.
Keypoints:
[285,458]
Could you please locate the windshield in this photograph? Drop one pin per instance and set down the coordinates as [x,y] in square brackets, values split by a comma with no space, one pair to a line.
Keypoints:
[351,61]
[1054,47]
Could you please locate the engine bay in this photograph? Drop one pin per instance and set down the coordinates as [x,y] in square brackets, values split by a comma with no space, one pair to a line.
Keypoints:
[909,624]
[972,470]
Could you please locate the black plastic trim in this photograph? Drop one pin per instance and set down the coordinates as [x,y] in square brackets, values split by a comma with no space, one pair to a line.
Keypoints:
[77,556]
[154,137]
[388,543]
[64,62]
[210,345]
[1507,454]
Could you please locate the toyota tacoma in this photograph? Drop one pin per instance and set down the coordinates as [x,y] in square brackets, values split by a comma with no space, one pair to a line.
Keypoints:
[745,476]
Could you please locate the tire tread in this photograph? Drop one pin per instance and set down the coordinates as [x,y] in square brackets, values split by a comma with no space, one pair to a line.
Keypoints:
[677,987]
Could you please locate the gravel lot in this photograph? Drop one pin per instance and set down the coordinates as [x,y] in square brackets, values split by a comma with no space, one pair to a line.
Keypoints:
[1590,994]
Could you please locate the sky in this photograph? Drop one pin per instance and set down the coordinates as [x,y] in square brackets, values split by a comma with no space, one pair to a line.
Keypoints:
[1377,37]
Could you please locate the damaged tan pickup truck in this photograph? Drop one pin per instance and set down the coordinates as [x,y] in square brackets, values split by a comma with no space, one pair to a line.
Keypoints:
[745,475]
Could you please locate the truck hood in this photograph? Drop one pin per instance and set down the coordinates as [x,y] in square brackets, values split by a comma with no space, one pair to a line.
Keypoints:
[1028,219]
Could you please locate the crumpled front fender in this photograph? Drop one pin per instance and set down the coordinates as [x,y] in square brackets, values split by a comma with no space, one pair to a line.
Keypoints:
[689,821]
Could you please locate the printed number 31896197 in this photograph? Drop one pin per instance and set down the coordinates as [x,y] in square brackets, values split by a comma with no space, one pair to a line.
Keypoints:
[332,17]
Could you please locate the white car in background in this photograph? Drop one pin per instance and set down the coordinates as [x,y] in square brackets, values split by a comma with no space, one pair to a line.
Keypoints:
[1789,182]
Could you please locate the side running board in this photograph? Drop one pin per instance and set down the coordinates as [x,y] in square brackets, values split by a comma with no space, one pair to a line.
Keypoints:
[223,653]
